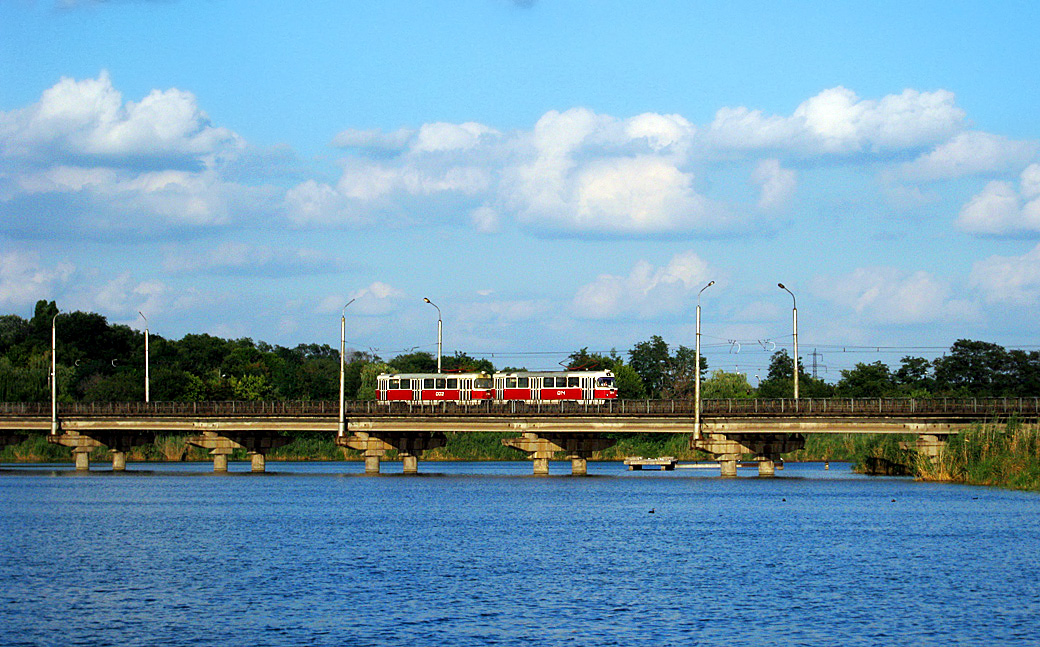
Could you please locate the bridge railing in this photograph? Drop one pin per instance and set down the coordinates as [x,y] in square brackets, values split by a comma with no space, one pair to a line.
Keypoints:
[856,407]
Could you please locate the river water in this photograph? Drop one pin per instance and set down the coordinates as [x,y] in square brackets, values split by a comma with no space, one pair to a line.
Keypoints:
[486,554]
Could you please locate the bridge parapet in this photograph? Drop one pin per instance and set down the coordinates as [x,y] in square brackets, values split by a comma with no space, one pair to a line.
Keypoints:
[976,408]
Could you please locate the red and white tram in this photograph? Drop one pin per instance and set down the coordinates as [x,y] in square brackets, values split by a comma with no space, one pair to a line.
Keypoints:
[525,386]
[434,387]
[538,386]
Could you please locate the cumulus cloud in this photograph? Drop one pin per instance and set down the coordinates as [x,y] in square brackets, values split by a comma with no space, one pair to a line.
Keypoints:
[647,291]
[837,121]
[970,153]
[1002,209]
[24,279]
[776,184]
[1009,279]
[888,295]
[81,161]
[89,119]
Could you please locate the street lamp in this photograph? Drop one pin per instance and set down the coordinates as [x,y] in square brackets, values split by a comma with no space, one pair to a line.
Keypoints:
[54,375]
[342,430]
[794,313]
[697,369]
[439,328]
[147,380]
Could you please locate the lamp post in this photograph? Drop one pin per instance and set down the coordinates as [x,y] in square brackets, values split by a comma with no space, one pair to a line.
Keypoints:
[697,368]
[54,375]
[342,428]
[439,328]
[794,314]
[147,379]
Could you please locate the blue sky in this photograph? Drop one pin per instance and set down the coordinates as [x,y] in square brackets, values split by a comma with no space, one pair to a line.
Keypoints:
[554,175]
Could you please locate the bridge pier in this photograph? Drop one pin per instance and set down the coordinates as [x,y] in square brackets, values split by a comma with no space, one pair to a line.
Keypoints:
[728,463]
[766,447]
[118,442]
[409,464]
[541,448]
[409,445]
[222,444]
[258,462]
[81,458]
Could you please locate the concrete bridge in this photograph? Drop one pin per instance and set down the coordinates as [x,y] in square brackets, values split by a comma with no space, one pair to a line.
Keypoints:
[729,429]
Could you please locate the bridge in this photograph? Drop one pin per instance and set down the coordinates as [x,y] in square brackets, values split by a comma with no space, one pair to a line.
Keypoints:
[728,429]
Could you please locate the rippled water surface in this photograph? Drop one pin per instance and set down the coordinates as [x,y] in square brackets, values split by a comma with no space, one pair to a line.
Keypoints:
[485,554]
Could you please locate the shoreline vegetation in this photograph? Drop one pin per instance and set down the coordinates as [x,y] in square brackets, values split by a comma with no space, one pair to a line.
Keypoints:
[1005,455]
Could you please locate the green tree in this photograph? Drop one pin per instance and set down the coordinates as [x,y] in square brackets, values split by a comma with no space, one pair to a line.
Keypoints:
[723,385]
[367,390]
[629,384]
[872,380]
[463,363]
[779,382]
[974,369]
[418,362]
[651,361]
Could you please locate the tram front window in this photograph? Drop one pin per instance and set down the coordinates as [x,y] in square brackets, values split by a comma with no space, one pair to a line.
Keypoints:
[605,382]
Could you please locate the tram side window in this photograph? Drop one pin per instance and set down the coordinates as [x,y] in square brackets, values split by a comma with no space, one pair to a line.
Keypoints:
[395,384]
[453,382]
[427,383]
[440,382]
[510,382]
[483,383]
[549,382]
[406,384]
[524,382]
[573,382]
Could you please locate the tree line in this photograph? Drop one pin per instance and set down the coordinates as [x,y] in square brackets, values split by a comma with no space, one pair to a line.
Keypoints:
[99,361]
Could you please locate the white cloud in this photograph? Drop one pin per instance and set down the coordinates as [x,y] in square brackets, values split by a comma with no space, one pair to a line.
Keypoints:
[1009,279]
[374,140]
[375,300]
[24,279]
[888,295]
[125,296]
[233,258]
[1001,209]
[102,165]
[836,121]
[647,291]
[968,154]
[88,118]
[443,137]
[776,183]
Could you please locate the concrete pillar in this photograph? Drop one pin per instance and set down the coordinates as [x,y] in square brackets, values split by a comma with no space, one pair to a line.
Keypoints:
[728,463]
[579,466]
[82,457]
[259,462]
[766,467]
[541,467]
[371,463]
[220,463]
[410,463]
[118,461]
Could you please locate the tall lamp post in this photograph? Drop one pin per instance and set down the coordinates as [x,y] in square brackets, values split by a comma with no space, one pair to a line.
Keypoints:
[439,328]
[697,368]
[342,428]
[794,314]
[54,375]
[147,379]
